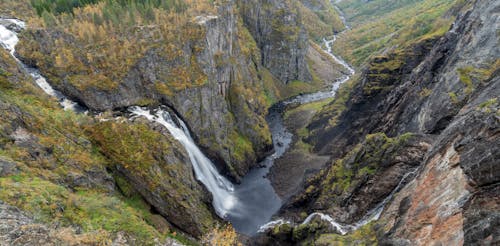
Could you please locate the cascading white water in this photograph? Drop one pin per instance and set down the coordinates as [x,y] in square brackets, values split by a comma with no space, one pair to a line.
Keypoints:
[9,40]
[373,214]
[318,96]
[205,171]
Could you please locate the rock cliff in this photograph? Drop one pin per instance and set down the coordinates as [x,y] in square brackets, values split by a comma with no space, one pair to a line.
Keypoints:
[280,36]
[74,171]
[443,91]
[211,78]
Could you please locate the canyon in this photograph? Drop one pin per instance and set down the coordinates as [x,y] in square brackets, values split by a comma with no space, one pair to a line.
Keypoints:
[286,122]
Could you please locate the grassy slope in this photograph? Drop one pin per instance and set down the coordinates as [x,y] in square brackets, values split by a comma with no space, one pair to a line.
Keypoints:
[60,149]
[382,24]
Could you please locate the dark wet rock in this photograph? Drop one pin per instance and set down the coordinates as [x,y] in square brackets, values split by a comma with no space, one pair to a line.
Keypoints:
[10,25]
[482,217]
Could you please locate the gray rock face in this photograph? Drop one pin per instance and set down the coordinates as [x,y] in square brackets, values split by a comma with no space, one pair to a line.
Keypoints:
[7,167]
[372,170]
[18,229]
[454,197]
[449,89]
[449,71]
[432,84]
[282,39]
[216,110]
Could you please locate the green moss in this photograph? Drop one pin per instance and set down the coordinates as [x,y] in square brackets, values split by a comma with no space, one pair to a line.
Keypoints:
[387,64]
[363,160]
[453,97]
[365,235]
[488,103]
[489,106]
[242,146]
[136,146]
[465,77]
[92,211]
[124,186]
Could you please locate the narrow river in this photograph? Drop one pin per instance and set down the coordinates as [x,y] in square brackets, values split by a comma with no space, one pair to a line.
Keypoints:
[248,205]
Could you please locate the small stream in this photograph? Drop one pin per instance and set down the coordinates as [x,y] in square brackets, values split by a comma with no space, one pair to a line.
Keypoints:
[248,205]
[9,40]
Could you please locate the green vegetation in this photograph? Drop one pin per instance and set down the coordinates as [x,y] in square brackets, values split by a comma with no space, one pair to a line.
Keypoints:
[67,6]
[19,8]
[242,146]
[453,97]
[55,151]
[490,106]
[360,163]
[63,177]
[99,46]
[94,211]
[103,40]
[314,106]
[319,18]
[382,24]
[59,6]
[472,77]
[465,77]
[135,145]
[365,235]
[334,109]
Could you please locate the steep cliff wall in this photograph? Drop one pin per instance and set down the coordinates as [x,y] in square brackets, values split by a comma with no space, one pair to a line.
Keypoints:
[280,35]
[210,74]
[444,90]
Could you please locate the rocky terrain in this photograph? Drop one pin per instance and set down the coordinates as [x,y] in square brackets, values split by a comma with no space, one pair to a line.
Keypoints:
[405,153]
[427,107]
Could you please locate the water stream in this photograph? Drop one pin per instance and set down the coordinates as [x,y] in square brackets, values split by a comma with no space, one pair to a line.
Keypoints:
[8,40]
[321,95]
[247,205]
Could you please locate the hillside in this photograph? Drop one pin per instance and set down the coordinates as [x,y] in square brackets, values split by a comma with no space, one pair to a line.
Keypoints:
[249,122]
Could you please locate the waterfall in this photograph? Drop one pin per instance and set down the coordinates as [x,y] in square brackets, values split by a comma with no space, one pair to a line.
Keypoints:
[222,189]
[9,40]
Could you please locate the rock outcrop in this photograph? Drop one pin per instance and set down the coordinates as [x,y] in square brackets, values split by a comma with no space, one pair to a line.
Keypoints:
[212,80]
[18,228]
[360,181]
[442,89]
[48,157]
[280,36]
[453,200]
[161,173]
